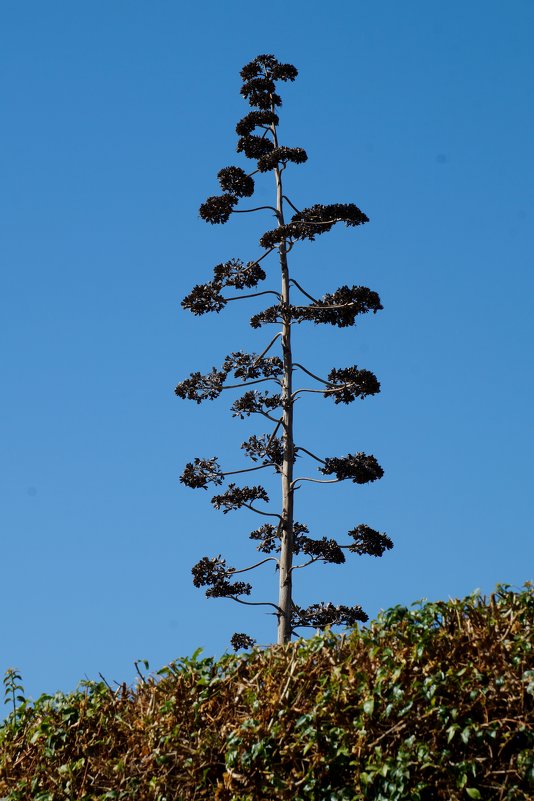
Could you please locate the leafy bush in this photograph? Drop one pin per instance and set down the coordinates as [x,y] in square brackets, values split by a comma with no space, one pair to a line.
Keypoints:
[434,702]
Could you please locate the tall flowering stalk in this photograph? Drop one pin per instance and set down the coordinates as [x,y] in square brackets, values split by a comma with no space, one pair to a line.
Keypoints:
[280,538]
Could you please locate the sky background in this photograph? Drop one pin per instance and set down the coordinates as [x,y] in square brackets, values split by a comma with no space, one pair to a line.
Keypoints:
[115,118]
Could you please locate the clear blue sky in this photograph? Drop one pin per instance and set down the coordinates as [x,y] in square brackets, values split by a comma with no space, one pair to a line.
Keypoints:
[116,117]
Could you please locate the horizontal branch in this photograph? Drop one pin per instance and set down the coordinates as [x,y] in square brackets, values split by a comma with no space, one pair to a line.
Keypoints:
[312,375]
[247,469]
[317,458]
[305,389]
[320,307]
[249,383]
[258,208]
[252,567]
[296,283]
[253,603]
[267,415]
[305,564]
[253,295]
[318,480]
[331,391]
[260,512]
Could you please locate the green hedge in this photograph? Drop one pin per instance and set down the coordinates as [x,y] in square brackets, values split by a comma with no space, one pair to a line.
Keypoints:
[431,703]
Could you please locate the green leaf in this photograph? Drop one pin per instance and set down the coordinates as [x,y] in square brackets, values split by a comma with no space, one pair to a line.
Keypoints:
[472,792]
[451,731]
[368,706]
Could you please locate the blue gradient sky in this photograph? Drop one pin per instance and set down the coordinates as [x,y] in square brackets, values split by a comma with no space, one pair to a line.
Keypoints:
[116,117]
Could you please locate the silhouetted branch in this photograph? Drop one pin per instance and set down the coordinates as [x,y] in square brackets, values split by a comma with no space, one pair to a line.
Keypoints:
[250,383]
[254,603]
[306,564]
[269,346]
[258,208]
[305,450]
[253,295]
[260,512]
[317,480]
[296,283]
[290,203]
[252,567]
[247,469]
[312,375]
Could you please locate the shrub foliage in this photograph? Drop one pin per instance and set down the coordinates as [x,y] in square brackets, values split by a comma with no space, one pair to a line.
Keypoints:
[433,702]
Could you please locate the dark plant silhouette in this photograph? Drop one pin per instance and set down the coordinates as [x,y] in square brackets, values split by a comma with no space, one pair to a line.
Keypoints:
[283,538]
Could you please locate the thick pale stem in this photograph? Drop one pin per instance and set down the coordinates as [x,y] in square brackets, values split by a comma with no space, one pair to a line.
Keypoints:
[285,601]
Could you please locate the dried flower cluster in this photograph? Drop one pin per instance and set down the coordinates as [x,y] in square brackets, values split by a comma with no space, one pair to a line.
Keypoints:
[240,640]
[349,383]
[339,308]
[205,298]
[369,541]
[281,155]
[269,451]
[201,472]
[309,223]
[214,574]
[256,119]
[255,402]
[244,366]
[235,497]
[235,181]
[359,468]
[326,550]
[319,616]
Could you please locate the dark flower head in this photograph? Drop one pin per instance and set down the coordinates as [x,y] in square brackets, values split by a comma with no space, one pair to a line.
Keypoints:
[254,119]
[217,209]
[268,536]
[240,640]
[340,307]
[368,541]
[235,497]
[254,402]
[201,472]
[260,92]
[359,468]
[215,574]
[204,298]
[321,615]
[323,549]
[318,219]
[273,314]
[224,589]
[281,155]
[235,181]
[267,64]
[349,383]
[249,366]
[200,387]
[237,274]
[264,449]
[254,146]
